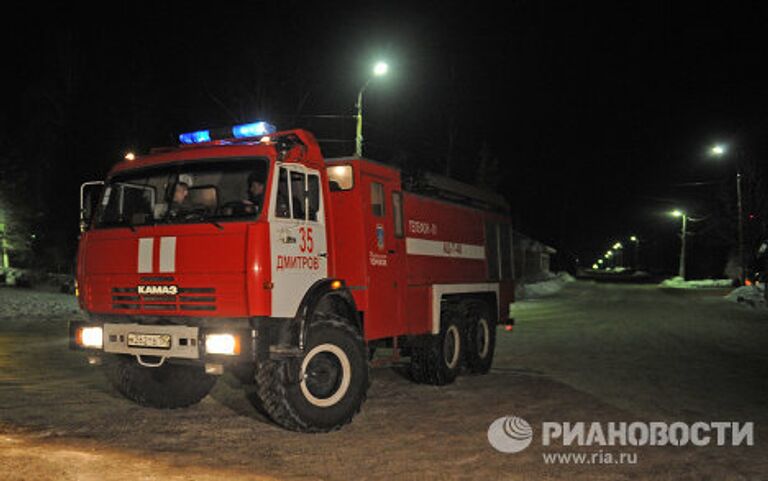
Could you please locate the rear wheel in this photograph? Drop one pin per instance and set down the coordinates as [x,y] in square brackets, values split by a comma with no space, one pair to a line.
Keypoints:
[322,390]
[169,386]
[437,359]
[480,337]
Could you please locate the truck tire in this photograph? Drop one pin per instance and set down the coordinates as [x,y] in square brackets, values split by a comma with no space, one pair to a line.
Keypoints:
[437,359]
[169,386]
[323,389]
[480,338]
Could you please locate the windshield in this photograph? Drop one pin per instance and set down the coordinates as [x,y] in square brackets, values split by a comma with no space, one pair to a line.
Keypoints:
[211,190]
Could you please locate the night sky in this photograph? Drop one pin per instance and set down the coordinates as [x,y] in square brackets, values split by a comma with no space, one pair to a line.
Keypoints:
[598,116]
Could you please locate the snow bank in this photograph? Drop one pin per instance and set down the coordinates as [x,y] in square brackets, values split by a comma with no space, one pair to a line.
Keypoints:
[680,283]
[750,295]
[552,285]
[27,302]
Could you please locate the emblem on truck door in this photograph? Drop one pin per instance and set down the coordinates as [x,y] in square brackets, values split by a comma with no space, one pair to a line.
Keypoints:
[380,236]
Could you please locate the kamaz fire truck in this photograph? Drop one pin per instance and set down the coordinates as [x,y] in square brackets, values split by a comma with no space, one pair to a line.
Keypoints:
[183,274]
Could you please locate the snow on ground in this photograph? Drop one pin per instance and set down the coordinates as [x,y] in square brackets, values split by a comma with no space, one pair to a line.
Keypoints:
[552,285]
[27,302]
[680,283]
[750,295]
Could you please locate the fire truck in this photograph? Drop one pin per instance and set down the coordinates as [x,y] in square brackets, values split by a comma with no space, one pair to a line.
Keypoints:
[244,251]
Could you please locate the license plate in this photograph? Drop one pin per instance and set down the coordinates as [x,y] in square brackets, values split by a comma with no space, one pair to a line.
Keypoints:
[157,341]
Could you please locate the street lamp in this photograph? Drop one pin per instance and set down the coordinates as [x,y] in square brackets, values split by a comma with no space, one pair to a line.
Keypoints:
[3,245]
[379,70]
[718,150]
[619,249]
[681,214]
[636,241]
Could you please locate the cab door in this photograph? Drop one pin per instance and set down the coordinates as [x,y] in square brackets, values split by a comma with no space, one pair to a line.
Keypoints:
[385,255]
[297,236]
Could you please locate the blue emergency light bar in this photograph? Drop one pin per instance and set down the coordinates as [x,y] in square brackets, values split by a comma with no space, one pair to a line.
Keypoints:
[256,129]
[244,131]
[195,137]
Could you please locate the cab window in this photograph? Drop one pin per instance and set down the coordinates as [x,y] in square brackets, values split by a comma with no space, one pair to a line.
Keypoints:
[377,199]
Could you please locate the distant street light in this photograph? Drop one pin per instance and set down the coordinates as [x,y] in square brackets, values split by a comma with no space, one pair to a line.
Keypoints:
[379,70]
[718,150]
[683,229]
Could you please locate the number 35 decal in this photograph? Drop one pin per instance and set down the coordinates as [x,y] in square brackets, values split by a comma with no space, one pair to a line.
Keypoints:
[307,244]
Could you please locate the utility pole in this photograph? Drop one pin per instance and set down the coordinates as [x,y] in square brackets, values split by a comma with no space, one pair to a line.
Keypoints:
[683,232]
[742,267]
[3,248]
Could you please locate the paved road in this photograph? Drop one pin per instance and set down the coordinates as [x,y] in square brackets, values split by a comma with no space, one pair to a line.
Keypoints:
[595,352]
[671,353]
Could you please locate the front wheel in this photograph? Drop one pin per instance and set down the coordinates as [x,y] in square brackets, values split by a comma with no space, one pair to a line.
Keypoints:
[169,386]
[322,390]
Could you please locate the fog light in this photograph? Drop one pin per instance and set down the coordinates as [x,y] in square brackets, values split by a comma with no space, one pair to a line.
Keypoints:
[92,337]
[227,344]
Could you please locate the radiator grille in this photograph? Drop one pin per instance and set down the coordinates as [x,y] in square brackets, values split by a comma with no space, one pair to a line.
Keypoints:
[187,299]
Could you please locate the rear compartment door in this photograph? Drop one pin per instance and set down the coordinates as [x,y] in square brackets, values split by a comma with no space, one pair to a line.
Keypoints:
[385,256]
[297,236]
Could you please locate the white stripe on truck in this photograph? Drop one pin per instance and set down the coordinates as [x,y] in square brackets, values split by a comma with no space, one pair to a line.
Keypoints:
[146,246]
[458,250]
[167,254]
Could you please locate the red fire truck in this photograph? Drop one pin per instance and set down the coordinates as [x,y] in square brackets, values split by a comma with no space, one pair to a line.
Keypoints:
[245,250]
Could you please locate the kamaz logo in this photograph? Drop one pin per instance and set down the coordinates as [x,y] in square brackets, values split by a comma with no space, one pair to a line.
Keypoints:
[158,290]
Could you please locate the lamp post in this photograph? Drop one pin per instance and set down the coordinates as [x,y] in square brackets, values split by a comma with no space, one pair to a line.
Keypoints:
[3,245]
[379,70]
[719,150]
[636,241]
[619,249]
[683,229]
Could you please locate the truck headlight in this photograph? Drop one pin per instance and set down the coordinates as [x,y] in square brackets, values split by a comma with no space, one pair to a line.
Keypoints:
[227,344]
[91,337]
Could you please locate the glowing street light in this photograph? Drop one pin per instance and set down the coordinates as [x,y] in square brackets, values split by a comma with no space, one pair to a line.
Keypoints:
[379,70]
[718,149]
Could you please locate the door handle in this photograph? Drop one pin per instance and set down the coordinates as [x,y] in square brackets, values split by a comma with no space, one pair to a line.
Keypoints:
[289,240]
[323,254]
[391,251]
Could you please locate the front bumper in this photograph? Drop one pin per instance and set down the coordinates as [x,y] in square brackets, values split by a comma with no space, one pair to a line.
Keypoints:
[153,344]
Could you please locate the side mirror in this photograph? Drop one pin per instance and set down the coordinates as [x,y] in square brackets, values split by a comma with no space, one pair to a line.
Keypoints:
[90,193]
